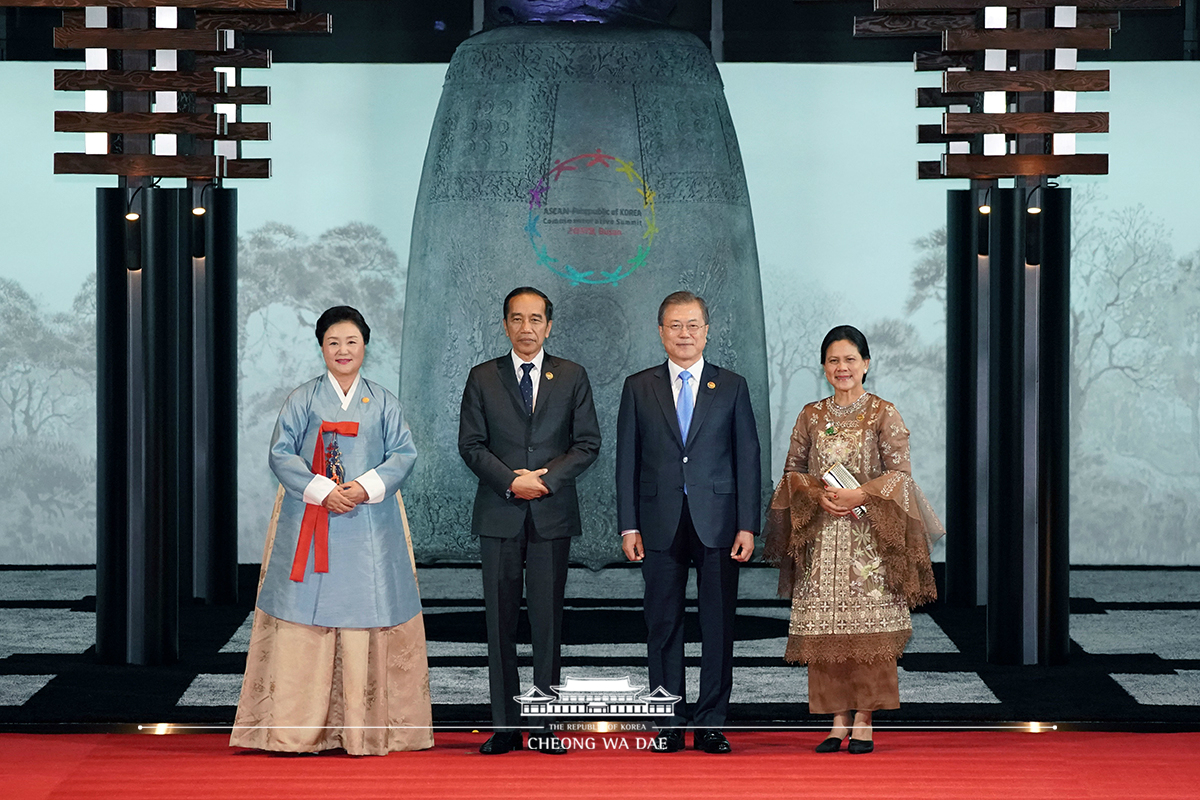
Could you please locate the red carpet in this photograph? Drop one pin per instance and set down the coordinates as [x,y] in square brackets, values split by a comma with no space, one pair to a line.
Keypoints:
[946,766]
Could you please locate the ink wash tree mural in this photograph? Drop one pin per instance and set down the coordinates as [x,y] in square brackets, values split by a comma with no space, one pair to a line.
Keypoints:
[285,280]
[1135,431]
[47,428]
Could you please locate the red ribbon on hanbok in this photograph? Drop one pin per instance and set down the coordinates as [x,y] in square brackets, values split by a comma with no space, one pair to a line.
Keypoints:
[316,518]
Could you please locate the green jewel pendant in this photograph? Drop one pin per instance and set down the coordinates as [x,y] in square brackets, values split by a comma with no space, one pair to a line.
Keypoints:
[831,431]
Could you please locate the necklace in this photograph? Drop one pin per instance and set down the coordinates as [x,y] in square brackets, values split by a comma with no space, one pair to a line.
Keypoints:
[841,411]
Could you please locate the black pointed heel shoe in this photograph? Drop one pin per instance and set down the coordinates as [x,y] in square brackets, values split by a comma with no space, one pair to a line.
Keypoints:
[830,745]
[860,746]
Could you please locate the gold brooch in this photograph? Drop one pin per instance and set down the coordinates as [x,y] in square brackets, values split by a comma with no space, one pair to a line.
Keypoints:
[861,417]
[549,376]
[712,385]
[366,399]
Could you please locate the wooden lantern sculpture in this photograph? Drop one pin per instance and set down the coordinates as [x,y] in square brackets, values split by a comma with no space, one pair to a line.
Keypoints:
[1009,87]
[1009,81]
[162,99]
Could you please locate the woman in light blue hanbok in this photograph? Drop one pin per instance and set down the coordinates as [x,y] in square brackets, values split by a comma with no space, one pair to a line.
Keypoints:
[337,654]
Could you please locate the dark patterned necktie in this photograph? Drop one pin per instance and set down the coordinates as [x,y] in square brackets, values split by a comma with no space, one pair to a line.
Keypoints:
[527,387]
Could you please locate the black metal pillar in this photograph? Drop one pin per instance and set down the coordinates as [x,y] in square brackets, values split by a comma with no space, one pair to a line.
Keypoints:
[1028,425]
[966,515]
[1054,415]
[154,554]
[112,429]
[181,383]
[1011,618]
[216,536]
[166,419]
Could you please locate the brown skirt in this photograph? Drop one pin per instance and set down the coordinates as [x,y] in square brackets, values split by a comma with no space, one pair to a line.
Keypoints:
[836,686]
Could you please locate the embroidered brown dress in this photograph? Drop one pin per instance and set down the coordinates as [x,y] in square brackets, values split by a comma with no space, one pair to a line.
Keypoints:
[851,582]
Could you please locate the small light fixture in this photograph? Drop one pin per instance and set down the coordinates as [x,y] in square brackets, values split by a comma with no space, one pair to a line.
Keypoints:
[130,214]
[199,210]
[1033,206]
[985,204]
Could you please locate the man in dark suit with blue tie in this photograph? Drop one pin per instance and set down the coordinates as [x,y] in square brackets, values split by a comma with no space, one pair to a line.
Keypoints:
[688,492]
[528,429]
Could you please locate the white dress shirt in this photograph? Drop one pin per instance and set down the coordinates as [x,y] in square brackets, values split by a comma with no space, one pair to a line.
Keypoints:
[534,374]
[677,383]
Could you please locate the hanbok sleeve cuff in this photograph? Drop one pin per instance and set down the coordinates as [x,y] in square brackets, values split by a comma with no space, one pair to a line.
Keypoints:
[318,489]
[372,484]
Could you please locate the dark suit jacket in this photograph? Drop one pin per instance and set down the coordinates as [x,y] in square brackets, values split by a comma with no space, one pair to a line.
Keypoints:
[496,437]
[719,462]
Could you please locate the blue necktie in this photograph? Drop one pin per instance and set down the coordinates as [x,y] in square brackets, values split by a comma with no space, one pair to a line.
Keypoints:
[683,408]
[527,387]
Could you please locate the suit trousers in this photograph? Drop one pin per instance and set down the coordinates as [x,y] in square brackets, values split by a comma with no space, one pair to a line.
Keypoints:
[543,564]
[666,573]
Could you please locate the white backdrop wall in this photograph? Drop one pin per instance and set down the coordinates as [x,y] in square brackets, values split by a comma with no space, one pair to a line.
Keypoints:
[846,234]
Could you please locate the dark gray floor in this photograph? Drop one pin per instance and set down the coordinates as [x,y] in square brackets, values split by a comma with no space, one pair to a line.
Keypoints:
[1136,652]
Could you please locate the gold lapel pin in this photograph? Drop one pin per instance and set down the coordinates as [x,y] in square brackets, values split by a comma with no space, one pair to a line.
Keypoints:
[549,376]
[366,399]
[712,385]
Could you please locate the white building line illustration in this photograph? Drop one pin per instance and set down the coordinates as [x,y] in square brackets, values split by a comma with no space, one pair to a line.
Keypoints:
[592,696]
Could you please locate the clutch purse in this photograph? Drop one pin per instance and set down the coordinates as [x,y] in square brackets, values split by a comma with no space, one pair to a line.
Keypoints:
[839,477]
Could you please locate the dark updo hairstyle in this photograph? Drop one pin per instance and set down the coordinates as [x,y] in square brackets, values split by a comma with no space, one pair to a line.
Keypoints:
[847,333]
[332,316]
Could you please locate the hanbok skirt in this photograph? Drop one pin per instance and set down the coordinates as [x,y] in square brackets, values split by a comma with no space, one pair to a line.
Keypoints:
[310,688]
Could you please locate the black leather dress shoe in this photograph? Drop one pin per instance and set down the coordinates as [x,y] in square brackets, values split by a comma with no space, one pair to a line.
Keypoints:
[711,740]
[830,745]
[546,742]
[668,741]
[860,746]
[501,742]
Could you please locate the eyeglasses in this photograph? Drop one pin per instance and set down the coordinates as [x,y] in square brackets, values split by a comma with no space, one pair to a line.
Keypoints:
[692,328]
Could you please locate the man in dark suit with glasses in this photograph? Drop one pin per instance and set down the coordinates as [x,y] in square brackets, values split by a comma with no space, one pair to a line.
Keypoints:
[688,493]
